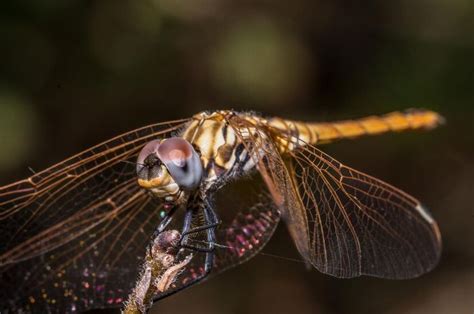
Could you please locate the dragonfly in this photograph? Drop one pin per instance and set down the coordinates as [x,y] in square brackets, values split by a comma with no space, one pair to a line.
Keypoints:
[74,236]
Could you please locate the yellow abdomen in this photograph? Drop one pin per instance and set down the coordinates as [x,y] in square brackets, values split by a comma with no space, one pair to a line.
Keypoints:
[326,132]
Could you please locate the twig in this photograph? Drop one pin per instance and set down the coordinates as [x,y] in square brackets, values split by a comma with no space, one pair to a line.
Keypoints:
[160,269]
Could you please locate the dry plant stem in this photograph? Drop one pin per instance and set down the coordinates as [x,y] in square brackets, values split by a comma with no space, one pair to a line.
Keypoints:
[159,271]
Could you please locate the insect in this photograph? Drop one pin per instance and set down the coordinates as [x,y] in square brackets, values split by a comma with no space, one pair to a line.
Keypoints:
[73,236]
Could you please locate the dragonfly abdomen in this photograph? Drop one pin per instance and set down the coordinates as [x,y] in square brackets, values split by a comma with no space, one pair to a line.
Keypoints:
[326,132]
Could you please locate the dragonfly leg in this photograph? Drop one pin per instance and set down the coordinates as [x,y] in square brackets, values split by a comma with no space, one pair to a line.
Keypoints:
[211,222]
[197,248]
[165,222]
[202,228]
[211,219]
[186,242]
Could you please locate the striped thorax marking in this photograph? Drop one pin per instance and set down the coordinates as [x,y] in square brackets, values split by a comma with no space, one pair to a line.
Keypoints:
[215,141]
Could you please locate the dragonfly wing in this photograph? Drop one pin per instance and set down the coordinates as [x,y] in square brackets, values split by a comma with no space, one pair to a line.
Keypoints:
[246,235]
[73,234]
[360,225]
[344,222]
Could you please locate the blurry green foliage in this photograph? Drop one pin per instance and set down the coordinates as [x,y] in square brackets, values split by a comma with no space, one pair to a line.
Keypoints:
[257,59]
[17,129]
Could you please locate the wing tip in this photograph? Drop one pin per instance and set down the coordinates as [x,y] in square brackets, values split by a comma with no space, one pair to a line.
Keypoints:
[426,214]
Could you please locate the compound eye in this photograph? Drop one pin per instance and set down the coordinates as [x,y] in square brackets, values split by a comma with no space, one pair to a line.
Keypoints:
[182,162]
[148,157]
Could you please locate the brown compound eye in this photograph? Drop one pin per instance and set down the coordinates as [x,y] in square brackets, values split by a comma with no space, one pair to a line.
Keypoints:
[148,163]
[182,162]
[149,149]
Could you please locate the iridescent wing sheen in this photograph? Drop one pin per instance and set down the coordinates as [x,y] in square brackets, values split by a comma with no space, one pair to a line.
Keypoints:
[246,235]
[72,235]
[343,222]
[237,241]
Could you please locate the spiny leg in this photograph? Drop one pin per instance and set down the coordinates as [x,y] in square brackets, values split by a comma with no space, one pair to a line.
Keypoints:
[202,228]
[211,220]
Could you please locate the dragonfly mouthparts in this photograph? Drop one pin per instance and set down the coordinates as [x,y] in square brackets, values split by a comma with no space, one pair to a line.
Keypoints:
[151,161]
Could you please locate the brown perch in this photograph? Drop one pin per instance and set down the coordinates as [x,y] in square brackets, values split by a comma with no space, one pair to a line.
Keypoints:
[159,271]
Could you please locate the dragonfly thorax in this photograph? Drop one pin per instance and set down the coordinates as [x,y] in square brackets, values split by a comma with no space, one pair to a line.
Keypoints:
[169,168]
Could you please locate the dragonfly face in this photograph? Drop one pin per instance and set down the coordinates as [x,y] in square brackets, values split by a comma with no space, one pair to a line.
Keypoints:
[169,168]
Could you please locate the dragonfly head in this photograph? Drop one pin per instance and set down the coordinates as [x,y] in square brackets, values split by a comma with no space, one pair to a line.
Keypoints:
[169,168]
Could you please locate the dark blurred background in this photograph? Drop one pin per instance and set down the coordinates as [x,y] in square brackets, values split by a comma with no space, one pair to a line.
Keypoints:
[74,73]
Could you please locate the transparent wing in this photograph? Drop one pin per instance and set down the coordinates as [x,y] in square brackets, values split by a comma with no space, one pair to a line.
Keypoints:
[73,234]
[344,222]
[360,225]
